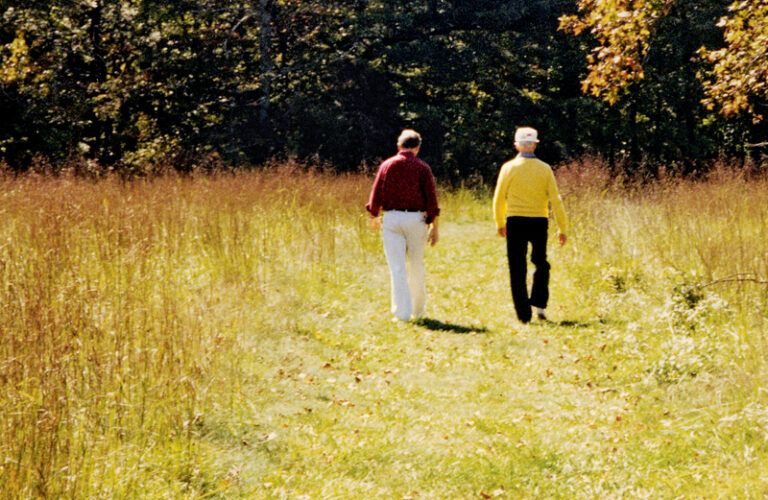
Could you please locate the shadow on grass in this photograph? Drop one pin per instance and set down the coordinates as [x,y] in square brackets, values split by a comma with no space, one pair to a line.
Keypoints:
[575,324]
[439,326]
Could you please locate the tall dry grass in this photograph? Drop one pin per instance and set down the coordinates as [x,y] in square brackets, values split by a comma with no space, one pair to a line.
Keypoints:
[111,303]
[135,317]
[678,242]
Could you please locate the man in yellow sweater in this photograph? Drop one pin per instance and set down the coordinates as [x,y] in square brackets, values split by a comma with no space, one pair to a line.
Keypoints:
[525,188]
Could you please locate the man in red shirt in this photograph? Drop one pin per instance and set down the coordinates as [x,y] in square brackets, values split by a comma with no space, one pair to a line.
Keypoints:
[404,188]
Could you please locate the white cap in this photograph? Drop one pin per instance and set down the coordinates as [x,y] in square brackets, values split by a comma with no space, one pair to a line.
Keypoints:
[526,134]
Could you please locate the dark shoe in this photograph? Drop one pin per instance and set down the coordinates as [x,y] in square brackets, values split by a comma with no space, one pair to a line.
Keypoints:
[541,315]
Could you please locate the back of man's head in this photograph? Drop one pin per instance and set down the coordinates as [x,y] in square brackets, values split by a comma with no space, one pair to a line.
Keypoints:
[526,135]
[526,139]
[409,139]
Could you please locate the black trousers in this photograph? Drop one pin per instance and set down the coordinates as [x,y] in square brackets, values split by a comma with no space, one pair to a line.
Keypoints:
[520,232]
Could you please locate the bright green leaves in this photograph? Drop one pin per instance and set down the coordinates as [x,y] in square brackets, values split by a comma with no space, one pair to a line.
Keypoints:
[15,64]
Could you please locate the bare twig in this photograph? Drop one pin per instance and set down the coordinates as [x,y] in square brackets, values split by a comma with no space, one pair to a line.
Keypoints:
[758,145]
[736,278]
[237,25]
[244,19]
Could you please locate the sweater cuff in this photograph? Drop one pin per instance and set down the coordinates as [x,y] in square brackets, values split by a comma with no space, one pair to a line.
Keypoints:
[431,214]
[373,210]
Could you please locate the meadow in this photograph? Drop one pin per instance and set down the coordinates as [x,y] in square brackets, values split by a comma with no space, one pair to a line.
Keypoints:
[228,336]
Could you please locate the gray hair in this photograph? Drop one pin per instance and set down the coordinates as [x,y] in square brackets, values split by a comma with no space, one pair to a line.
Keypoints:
[409,139]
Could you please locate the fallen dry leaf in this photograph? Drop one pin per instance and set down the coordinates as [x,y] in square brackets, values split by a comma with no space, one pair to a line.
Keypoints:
[343,403]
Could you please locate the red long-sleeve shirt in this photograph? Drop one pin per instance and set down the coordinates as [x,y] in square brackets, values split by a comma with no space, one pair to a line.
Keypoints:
[404,182]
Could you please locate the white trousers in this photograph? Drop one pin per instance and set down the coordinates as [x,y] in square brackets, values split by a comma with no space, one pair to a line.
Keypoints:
[405,236]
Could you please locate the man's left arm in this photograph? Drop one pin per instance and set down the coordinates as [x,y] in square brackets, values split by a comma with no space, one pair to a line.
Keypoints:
[429,191]
[434,236]
[557,208]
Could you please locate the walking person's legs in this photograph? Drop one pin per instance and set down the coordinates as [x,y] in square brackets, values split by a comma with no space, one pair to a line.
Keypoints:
[416,240]
[540,288]
[517,250]
[395,250]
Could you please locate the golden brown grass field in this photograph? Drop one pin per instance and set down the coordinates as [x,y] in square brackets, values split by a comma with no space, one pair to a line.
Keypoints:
[228,336]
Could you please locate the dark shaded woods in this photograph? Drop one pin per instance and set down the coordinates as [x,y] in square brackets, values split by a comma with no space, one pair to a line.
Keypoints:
[141,84]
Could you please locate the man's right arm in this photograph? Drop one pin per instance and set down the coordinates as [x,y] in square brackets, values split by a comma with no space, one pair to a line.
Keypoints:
[374,200]
[500,201]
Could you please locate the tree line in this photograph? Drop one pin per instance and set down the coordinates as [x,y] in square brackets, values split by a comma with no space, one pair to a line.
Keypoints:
[133,84]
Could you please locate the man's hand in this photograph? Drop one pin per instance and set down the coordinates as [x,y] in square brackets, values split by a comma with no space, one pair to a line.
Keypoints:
[502,231]
[376,223]
[563,238]
[433,235]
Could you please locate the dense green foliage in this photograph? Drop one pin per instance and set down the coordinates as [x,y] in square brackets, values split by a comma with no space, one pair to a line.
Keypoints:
[141,82]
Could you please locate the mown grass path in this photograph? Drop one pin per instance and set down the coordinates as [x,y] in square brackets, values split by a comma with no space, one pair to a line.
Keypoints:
[469,403]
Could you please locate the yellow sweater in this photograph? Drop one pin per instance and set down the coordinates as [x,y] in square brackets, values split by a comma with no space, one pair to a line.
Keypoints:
[524,188]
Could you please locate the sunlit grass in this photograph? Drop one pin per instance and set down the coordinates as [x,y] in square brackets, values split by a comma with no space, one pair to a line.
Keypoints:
[229,336]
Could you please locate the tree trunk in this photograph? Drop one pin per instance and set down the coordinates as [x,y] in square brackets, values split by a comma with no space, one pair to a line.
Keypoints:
[267,65]
[101,128]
